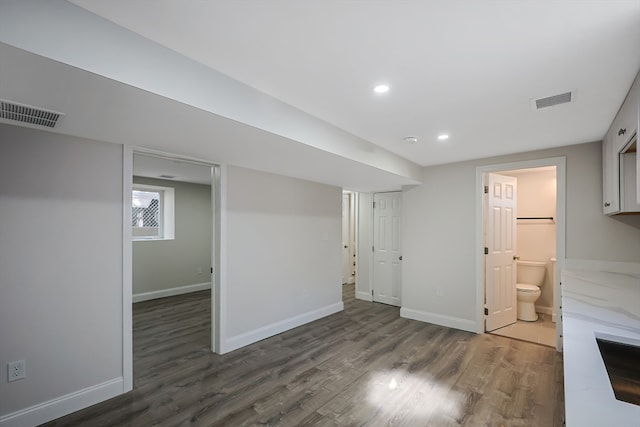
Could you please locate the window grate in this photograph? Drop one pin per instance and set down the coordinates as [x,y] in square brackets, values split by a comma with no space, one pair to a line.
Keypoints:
[152,212]
[145,210]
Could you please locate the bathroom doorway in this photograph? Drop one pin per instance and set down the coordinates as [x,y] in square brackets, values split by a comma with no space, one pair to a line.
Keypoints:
[538,236]
[535,242]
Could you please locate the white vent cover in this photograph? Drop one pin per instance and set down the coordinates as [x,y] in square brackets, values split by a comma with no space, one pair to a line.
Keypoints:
[550,101]
[28,114]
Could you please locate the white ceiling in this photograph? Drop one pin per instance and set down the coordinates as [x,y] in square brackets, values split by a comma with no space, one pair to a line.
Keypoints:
[467,68]
[107,110]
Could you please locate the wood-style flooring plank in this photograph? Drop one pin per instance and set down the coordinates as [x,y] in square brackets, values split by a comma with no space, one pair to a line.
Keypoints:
[363,366]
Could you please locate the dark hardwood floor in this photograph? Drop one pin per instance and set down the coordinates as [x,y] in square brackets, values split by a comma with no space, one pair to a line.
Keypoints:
[364,366]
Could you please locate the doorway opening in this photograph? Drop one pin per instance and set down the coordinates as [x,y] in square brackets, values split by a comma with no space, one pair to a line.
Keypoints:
[525,231]
[172,221]
[349,239]
[516,308]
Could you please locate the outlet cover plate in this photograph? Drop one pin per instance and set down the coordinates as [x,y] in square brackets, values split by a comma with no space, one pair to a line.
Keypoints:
[16,370]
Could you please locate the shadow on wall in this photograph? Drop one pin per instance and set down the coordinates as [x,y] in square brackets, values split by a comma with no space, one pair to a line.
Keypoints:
[630,220]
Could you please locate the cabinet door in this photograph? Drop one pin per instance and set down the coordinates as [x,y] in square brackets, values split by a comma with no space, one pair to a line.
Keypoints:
[625,125]
[628,184]
[610,175]
[622,193]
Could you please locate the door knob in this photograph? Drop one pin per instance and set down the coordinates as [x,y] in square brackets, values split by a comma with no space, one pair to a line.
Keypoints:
[345,246]
[516,258]
[400,258]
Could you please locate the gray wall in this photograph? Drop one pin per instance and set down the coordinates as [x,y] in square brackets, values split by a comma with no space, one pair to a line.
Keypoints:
[283,249]
[164,264]
[61,210]
[439,228]
[60,264]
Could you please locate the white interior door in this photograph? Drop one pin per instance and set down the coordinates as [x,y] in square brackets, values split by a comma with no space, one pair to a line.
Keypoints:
[500,239]
[346,224]
[386,247]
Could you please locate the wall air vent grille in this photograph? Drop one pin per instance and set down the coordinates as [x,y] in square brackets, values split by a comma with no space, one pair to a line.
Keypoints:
[550,101]
[28,114]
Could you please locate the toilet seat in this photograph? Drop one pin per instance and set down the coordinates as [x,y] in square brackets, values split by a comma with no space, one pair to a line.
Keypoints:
[526,288]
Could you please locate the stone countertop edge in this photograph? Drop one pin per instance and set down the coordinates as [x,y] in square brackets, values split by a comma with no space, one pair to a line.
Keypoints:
[596,303]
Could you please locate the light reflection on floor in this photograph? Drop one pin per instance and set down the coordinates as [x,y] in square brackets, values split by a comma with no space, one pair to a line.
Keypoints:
[412,397]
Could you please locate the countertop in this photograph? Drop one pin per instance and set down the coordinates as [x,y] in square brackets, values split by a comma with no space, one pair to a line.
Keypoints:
[596,303]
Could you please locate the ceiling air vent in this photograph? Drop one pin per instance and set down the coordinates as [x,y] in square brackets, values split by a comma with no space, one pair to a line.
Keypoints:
[28,114]
[550,101]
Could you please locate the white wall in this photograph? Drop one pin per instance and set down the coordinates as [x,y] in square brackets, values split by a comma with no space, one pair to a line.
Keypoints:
[283,254]
[160,265]
[439,231]
[61,267]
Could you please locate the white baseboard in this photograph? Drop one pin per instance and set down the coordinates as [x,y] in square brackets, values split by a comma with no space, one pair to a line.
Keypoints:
[364,295]
[64,405]
[544,310]
[145,296]
[439,319]
[267,331]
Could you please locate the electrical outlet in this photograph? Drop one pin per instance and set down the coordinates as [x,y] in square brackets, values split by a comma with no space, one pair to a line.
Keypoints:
[16,370]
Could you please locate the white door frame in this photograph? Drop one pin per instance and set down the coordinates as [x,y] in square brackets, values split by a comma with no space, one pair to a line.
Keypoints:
[347,231]
[353,234]
[218,239]
[561,200]
[364,242]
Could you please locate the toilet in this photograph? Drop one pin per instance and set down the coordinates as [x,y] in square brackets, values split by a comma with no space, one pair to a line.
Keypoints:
[530,276]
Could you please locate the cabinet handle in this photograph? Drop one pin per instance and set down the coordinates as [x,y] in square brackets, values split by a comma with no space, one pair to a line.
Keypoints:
[622,131]
[607,204]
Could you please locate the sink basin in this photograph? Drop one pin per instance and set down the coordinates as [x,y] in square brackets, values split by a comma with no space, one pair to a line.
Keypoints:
[622,359]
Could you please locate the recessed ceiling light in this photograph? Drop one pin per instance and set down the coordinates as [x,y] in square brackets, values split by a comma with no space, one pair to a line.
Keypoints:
[381,88]
[443,137]
[410,139]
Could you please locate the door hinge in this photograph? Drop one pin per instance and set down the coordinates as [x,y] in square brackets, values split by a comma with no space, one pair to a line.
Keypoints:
[486,251]
[371,293]
[374,205]
[486,189]
[373,249]
[486,311]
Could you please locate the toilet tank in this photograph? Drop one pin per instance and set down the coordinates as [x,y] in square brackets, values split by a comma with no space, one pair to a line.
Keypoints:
[531,272]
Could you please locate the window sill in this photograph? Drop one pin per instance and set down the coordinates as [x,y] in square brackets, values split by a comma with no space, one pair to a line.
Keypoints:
[151,239]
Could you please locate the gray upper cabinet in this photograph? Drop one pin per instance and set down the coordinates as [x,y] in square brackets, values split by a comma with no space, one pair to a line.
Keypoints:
[620,162]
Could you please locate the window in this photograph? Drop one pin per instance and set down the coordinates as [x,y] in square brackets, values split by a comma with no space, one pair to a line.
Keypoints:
[152,212]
